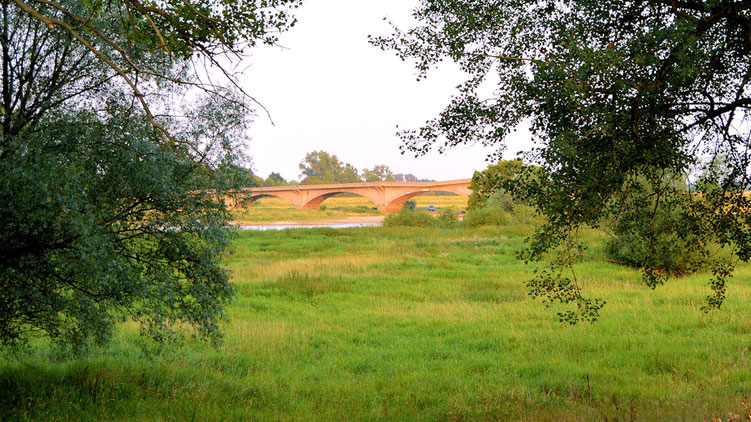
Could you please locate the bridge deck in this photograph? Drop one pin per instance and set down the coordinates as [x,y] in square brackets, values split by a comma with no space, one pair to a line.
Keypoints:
[361,185]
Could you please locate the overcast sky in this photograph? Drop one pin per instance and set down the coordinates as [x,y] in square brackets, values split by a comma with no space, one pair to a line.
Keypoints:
[330,90]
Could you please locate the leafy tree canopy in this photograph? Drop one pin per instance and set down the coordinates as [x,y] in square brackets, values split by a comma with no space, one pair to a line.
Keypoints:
[163,42]
[492,179]
[111,180]
[380,173]
[618,94]
[319,167]
[275,179]
[401,177]
[237,175]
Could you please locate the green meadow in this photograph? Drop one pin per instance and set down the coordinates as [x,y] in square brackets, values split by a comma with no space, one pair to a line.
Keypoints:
[402,324]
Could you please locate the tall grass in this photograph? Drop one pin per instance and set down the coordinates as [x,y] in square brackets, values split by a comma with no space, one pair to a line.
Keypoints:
[408,323]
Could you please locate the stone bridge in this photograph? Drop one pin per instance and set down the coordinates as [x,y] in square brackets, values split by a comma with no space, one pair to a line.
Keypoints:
[387,196]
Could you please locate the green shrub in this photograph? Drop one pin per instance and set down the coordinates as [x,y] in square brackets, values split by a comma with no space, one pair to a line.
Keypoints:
[449,215]
[643,237]
[408,218]
[409,205]
[526,214]
[495,215]
[322,207]
[361,209]
[487,216]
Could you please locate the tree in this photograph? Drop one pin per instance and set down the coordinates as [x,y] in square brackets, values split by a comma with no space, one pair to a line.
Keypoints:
[644,236]
[400,177]
[143,44]
[491,180]
[112,184]
[319,167]
[275,179]
[238,176]
[619,94]
[380,173]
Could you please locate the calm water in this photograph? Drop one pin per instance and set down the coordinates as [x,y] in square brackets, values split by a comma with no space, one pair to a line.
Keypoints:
[311,226]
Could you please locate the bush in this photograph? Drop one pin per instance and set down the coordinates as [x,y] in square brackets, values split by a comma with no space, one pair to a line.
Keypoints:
[409,205]
[493,215]
[487,216]
[449,215]
[361,209]
[408,218]
[526,214]
[322,207]
[647,239]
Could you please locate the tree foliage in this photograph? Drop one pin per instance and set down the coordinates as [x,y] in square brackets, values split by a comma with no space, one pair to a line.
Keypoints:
[380,173]
[275,179]
[111,181]
[646,237]
[618,95]
[401,177]
[142,43]
[491,180]
[319,167]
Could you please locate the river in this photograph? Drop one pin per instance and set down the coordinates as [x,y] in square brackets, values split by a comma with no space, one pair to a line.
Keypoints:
[345,223]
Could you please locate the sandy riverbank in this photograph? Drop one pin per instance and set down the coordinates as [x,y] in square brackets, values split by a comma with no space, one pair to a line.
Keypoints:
[374,220]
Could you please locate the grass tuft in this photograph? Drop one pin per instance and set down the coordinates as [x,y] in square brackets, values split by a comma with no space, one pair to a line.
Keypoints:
[296,282]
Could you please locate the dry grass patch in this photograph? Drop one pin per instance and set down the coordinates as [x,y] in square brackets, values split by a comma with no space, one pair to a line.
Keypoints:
[338,264]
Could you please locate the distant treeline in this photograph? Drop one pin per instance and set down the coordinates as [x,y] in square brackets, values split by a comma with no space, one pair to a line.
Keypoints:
[320,167]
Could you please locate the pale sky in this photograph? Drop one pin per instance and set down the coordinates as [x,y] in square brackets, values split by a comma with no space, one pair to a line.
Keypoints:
[330,90]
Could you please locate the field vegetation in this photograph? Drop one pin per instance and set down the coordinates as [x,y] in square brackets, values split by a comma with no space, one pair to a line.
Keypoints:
[406,323]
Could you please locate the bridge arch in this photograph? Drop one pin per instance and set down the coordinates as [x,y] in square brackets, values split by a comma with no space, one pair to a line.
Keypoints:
[396,204]
[315,202]
[243,202]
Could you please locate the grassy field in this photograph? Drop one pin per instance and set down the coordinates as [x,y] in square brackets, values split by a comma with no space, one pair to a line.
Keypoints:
[411,324]
[337,207]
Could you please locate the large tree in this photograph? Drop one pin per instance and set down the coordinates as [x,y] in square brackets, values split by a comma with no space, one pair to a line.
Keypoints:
[380,173]
[275,179]
[111,179]
[492,180]
[401,177]
[320,167]
[622,97]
